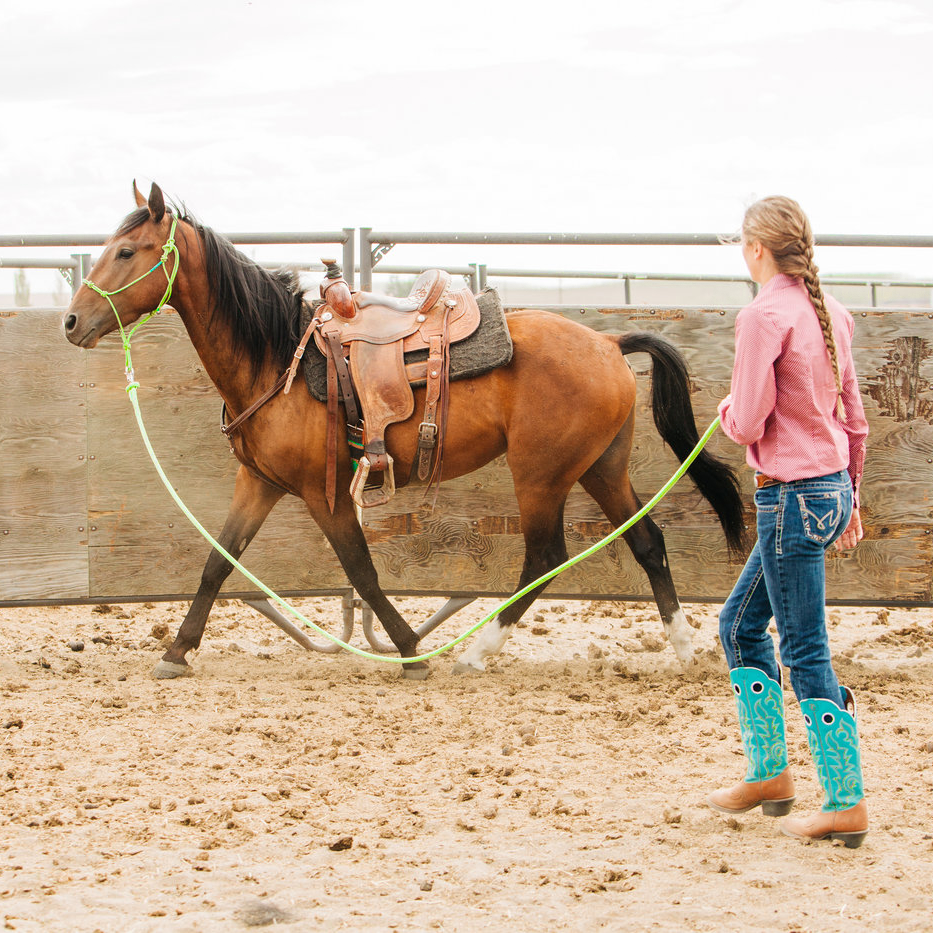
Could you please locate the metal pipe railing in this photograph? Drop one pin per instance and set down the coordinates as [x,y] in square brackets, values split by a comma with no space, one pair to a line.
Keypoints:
[78,266]
[240,239]
[373,245]
[29,262]
[617,239]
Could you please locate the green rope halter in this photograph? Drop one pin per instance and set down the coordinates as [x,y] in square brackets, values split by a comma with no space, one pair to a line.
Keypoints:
[168,249]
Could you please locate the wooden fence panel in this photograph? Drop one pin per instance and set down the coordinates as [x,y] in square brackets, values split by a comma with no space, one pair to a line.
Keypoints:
[139,542]
[43,477]
[103,526]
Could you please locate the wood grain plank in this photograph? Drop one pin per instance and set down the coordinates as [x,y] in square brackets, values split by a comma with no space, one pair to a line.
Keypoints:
[135,540]
[42,575]
[43,446]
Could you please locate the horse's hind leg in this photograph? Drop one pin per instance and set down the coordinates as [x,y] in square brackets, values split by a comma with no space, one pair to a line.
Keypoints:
[345,535]
[607,481]
[253,499]
[545,549]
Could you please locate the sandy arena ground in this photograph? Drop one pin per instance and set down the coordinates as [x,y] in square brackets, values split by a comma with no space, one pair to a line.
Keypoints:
[562,790]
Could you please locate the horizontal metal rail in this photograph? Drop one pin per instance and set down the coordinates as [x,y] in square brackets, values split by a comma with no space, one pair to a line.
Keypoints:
[619,239]
[28,262]
[78,266]
[506,239]
[503,272]
[375,244]
[497,272]
[243,239]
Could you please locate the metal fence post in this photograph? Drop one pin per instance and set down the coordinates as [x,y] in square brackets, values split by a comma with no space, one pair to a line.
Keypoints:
[81,271]
[474,277]
[481,267]
[366,260]
[349,256]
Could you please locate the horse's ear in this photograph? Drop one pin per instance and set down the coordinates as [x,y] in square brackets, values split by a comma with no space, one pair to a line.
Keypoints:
[156,203]
[138,195]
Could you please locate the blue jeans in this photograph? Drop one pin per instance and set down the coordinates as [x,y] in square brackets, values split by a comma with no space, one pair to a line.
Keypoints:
[785,579]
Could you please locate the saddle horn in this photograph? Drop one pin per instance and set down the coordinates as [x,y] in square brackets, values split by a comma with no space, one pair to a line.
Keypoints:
[335,291]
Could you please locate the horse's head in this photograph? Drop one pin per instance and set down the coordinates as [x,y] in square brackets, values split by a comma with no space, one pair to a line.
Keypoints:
[122,272]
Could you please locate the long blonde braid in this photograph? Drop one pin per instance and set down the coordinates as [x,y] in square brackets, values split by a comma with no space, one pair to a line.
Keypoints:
[780,224]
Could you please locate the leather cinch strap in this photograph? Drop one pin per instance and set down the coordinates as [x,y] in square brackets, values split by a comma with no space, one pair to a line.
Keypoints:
[433,427]
[428,429]
[338,379]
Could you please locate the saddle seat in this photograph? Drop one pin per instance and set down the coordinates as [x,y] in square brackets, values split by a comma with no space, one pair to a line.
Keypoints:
[374,333]
[426,291]
[382,319]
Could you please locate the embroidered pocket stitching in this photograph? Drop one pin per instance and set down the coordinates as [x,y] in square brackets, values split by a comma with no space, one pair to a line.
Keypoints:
[826,524]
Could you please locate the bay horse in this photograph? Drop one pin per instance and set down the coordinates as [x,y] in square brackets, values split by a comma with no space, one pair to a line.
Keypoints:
[562,411]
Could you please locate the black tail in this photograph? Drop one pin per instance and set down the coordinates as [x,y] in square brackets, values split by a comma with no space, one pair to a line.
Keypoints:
[673,415]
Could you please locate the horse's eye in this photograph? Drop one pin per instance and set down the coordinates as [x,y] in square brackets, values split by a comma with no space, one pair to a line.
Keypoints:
[125,253]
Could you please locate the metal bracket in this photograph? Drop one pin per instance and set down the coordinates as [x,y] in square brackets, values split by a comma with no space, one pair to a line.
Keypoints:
[350,604]
[297,632]
[380,250]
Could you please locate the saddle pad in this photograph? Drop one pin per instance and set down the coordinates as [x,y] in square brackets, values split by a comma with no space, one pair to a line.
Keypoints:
[488,348]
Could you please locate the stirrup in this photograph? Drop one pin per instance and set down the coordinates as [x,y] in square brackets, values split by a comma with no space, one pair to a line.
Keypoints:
[365,498]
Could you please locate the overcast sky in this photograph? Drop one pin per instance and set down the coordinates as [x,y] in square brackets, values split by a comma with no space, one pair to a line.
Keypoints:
[663,115]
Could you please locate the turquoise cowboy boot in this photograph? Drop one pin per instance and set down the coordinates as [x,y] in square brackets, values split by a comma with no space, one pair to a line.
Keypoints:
[768,782]
[833,738]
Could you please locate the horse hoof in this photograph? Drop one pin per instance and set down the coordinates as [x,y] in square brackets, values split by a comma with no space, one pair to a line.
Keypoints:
[419,671]
[168,670]
[465,667]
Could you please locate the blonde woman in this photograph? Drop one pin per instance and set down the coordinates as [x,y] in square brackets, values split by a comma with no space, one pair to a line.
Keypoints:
[795,403]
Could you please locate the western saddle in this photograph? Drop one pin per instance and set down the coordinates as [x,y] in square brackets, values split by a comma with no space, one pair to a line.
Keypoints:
[365,338]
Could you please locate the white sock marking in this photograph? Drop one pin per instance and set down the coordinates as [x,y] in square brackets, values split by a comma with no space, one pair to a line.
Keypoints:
[681,635]
[488,642]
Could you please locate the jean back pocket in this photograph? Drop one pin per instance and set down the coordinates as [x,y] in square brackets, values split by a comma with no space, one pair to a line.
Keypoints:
[820,513]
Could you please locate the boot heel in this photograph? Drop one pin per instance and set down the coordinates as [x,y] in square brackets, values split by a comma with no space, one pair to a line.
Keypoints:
[777,807]
[851,840]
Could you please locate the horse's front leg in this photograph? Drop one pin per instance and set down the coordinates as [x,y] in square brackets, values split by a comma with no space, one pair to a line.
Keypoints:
[253,500]
[349,543]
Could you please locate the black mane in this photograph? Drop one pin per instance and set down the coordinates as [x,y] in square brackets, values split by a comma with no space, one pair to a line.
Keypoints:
[261,308]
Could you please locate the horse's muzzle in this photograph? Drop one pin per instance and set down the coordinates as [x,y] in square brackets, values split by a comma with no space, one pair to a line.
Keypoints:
[80,336]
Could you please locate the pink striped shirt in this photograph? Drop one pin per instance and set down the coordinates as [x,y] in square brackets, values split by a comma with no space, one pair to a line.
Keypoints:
[783,396]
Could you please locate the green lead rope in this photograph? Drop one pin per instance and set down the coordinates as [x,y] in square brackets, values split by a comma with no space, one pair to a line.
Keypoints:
[583,555]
